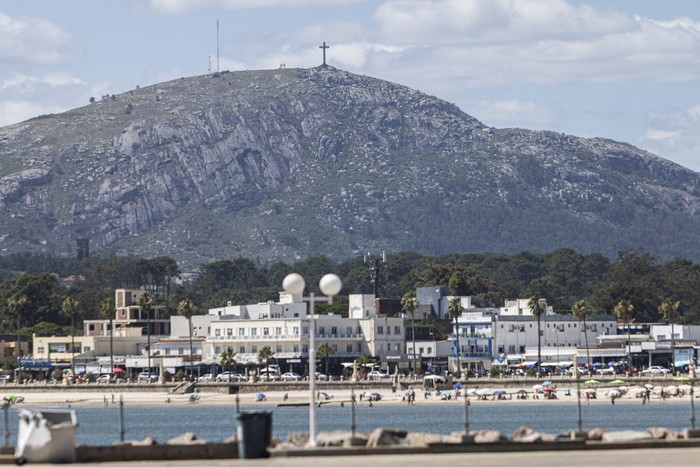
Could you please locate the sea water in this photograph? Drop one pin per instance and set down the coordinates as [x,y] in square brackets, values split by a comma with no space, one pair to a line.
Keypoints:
[101,425]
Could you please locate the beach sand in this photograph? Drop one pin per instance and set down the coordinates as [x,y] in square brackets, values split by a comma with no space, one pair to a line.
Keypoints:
[325,396]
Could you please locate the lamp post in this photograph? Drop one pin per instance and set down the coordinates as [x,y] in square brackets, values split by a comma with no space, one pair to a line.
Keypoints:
[330,285]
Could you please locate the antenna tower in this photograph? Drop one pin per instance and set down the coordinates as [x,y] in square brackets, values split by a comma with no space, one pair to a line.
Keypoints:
[374,262]
[217,45]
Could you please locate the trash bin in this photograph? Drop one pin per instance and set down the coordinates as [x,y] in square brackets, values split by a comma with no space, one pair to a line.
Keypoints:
[46,436]
[254,432]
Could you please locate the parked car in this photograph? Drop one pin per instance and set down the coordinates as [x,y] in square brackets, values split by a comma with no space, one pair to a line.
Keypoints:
[290,376]
[208,378]
[655,370]
[605,371]
[145,377]
[270,376]
[104,378]
[375,375]
[229,377]
[321,376]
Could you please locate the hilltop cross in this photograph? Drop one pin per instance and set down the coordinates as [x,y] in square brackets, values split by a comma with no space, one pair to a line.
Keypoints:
[324,47]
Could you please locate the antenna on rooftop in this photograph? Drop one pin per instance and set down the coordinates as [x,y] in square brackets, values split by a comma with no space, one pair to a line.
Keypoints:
[217,45]
[374,262]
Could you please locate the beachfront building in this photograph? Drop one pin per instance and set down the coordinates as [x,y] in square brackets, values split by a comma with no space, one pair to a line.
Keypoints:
[283,326]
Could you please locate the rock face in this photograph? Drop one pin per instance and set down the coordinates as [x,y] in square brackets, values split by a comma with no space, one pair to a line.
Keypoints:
[283,164]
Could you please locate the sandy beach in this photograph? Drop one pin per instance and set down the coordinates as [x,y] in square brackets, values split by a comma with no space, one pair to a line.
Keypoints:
[482,395]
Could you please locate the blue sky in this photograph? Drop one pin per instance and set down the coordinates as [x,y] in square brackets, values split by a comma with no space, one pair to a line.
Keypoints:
[622,69]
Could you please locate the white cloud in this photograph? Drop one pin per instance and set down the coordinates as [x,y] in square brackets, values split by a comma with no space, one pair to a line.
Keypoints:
[181,7]
[487,42]
[675,132]
[23,97]
[515,113]
[28,41]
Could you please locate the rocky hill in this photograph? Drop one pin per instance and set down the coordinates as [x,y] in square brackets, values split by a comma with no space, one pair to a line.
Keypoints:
[284,164]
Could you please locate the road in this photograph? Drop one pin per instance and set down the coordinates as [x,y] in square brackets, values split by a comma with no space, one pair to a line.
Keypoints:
[676,457]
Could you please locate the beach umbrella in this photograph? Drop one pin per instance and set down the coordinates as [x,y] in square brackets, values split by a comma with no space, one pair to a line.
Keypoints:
[612,363]
[500,392]
[618,382]
[522,391]
[591,392]
[649,386]
[537,387]
[592,381]
[614,394]
[457,386]
[471,391]
[681,378]
[546,383]
[549,390]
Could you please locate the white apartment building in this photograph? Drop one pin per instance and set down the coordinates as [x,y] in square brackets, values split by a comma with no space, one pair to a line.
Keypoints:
[284,327]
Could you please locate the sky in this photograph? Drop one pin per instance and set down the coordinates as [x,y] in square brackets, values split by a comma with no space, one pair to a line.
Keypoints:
[628,70]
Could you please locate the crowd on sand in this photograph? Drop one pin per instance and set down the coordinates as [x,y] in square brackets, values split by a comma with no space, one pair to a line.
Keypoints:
[591,392]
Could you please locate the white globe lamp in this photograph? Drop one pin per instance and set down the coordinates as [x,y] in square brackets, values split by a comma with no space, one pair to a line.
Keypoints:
[330,285]
[294,284]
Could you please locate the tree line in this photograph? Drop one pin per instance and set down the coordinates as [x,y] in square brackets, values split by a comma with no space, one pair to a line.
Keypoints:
[34,288]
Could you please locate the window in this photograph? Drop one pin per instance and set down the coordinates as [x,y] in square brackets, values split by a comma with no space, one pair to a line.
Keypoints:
[381,347]
[335,348]
[348,348]
[322,330]
[397,347]
[91,327]
[334,330]
[295,330]
[241,349]
[388,330]
[295,348]
[180,351]
[253,331]
[397,329]
[86,348]
[217,332]
[278,331]
[348,331]
[254,349]
[305,330]
[40,350]
[380,329]
[241,332]
[430,350]
[304,348]
[266,331]
[217,350]
[511,349]
[229,332]
[500,349]
[278,349]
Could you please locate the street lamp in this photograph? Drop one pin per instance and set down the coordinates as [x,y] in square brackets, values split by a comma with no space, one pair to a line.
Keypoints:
[330,285]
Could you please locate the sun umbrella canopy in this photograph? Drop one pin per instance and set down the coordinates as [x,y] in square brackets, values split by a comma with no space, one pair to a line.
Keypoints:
[500,392]
[681,378]
[546,383]
[549,390]
[457,386]
[522,391]
[614,394]
[618,382]
[592,381]
[471,391]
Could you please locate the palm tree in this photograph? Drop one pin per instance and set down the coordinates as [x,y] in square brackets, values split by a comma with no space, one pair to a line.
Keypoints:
[623,311]
[15,304]
[580,311]
[409,303]
[669,311]
[187,308]
[326,351]
[107,310]
[454,308]
[363,360]
[228,359]
[144,302]
[537,311]
[69,307]
[265,355]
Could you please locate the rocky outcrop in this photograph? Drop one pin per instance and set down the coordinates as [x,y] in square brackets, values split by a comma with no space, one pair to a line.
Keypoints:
[281,164]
